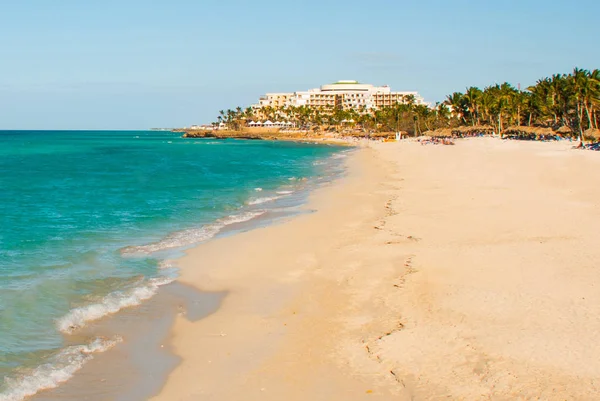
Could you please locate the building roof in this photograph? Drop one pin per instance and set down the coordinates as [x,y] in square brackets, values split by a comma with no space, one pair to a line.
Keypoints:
[345,82]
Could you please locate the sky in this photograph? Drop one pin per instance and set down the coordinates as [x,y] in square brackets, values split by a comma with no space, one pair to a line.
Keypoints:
[139,64]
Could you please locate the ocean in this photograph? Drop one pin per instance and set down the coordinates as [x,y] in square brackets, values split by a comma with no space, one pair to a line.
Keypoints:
[90,222]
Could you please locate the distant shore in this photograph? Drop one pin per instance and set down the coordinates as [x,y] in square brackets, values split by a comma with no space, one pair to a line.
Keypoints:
[411,280]
[275,134]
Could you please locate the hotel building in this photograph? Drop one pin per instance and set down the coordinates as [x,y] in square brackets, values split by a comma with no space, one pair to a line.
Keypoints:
[342,94]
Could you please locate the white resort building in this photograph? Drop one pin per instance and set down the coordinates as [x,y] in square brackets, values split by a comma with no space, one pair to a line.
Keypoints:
[342,94]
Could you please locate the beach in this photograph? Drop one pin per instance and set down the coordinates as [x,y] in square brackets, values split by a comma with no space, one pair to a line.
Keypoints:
[427,272]
[237,209]
[86,279]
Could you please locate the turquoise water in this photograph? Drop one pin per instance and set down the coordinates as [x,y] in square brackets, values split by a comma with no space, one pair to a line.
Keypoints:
[84,217]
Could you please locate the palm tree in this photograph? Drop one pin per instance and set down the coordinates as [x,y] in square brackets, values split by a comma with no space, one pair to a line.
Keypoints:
[338,116]
[518,102]
[249,113]
[304,113]
[584,91]
[229,118]
[471,100]
[422,114]
[501,99]
[442,115]
[538,104]
[457,104]
[293,115]
[487,101]
[561,99]
[594,100]
[590,91]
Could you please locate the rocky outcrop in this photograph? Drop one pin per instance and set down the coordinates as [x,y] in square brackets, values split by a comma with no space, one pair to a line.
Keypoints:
[272,135]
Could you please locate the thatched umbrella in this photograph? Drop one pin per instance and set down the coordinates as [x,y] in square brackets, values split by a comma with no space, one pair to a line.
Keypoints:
[443,132]
[529,132]
[383,135]
[592,133]
[439,133]
[564,130]
[473,130]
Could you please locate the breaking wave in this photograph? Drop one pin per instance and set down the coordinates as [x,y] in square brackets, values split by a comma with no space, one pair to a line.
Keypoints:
[191,236]
[258,201]
[112,303]
[60,368]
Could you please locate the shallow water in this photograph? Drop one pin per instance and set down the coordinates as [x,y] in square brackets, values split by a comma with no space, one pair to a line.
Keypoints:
[87,220]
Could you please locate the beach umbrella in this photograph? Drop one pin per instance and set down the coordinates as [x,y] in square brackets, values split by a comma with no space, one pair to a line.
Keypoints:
[564,130]
[439,133]
[592,132]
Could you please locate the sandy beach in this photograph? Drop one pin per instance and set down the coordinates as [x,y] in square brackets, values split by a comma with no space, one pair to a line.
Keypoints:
[464,272]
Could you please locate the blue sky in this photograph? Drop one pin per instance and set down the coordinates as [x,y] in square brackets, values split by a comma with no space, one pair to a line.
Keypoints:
[133,64]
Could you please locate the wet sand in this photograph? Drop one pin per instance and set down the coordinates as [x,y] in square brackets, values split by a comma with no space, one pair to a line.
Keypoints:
[429,272]
[136,368]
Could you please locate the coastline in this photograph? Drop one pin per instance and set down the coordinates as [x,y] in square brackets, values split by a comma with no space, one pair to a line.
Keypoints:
[406,263]
[126,370]
[265,304]
[313,137]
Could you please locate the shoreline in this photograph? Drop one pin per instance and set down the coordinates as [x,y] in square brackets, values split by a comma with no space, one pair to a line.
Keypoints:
[320,137]
[246,291]
[157,313]
[396,270]
[136,367]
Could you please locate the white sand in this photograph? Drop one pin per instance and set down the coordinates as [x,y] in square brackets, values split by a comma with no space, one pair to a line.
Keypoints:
[430,272]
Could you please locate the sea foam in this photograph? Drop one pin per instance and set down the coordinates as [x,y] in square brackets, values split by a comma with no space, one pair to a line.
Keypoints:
[60,368]
[266,199]
[112,303]
[340,155]
[191,236]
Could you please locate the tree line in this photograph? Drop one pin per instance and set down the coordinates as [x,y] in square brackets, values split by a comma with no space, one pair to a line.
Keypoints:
[571,100]
[407,116]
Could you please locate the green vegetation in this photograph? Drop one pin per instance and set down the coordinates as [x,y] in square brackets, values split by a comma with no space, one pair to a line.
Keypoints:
[405,116]
[563,100]
[570,100]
